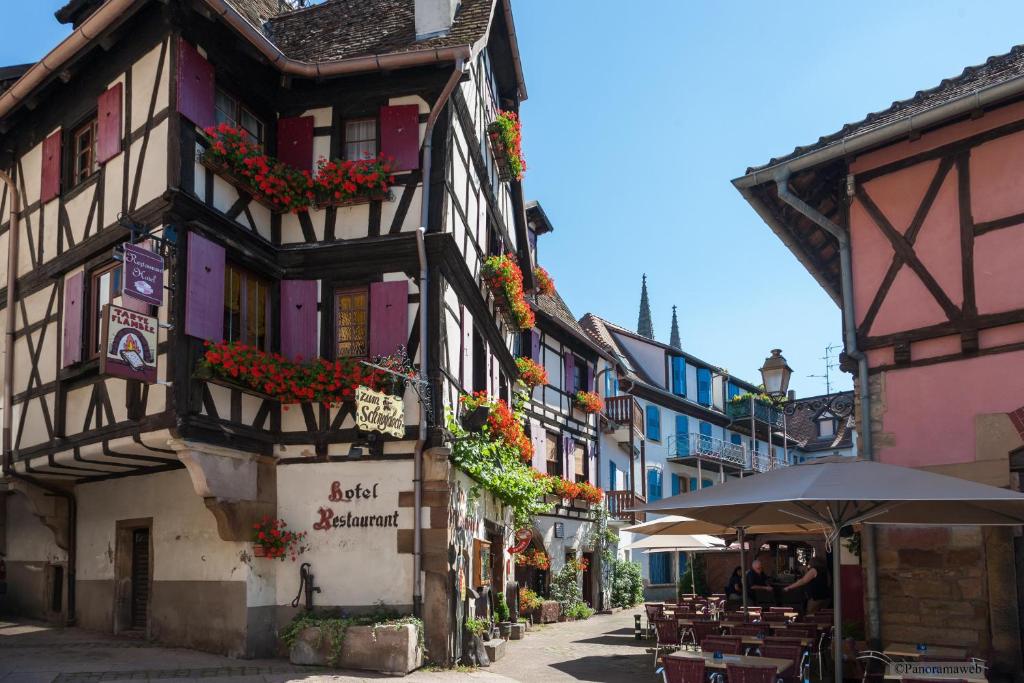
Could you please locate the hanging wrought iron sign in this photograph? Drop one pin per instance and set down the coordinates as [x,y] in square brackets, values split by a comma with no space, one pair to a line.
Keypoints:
[379,412]
[129,344]
[143,277]
[522,540]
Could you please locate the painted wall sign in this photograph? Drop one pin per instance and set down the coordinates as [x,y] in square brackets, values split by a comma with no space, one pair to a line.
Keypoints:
[129,344]
[143,275]
[378,412]
[358,494]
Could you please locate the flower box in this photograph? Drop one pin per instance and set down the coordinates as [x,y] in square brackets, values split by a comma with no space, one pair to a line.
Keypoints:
[355,201]
[500,152]
[504,135]
[259,550]
[239,183]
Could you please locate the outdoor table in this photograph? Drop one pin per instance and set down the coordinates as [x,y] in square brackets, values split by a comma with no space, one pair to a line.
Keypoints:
[909,651]
[911,677]
[741,660]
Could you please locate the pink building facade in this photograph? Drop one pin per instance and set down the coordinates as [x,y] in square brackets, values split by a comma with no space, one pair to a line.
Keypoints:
[913,221]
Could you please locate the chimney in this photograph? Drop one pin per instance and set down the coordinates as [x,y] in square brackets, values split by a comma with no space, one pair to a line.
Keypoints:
[434,17]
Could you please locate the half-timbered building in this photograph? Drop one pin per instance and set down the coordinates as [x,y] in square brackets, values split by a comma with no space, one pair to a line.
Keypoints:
[131,503]
[911,220]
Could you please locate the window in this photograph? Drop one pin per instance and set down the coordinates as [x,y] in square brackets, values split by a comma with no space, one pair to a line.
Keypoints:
[83,152]
[612,477]
[551,454]
[360,139]
[826,426]
[579,375]
[227,109]
[611,383]
[104,285]
[246,302]
[705,436]
[352,316]
[579,463]
[681,564]
[653,423]
[653,484]
[661,567]
[733,391]
[678,375]
[678,484]
[704,386]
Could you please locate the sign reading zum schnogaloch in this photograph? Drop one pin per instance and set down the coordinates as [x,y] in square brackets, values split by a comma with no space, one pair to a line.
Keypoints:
[378,412]
[129,344]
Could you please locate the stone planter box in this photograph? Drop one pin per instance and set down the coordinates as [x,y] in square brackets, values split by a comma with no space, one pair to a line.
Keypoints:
[548,613]
[387,649]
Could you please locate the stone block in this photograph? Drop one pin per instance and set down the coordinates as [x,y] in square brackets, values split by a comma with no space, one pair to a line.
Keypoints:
[963,557]
[495,649]
[932,635]
[917,558]
[518,631]
[388,649]
[923,538]
[970,589]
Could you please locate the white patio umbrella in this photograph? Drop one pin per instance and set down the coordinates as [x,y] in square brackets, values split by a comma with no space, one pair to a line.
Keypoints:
[687,543]
[840,492]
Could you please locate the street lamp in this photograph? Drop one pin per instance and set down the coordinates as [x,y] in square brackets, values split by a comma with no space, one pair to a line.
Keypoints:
[775,374]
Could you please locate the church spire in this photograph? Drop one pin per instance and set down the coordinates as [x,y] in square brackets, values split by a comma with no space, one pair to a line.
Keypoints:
[644,326]
[674,338]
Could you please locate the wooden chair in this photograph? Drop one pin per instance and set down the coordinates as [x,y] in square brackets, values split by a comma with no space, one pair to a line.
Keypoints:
[781,609]
[803,630]
[700,630]
[774,617]
[679,670]
[724,644]
[794,653]
[666,636]
[755,630]
[749,674]
[653,611]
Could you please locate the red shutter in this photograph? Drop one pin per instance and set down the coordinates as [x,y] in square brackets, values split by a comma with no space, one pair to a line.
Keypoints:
[195,85]
[298,319]
[108,123]
[50,183]
[204,294]
[295,142]
[74,303]
[400,135]
[389,317]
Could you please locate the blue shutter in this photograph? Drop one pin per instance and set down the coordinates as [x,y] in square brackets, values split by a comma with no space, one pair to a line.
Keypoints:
[705,436]
[682,567]
[608,385]
[661,567]
[682,436]
[704,386]
[676,485]
[733,391]
[569,362]
[653,423]
[707,483]
[693,483]
[678,375]
[653,484]
[611,477]
[736,439]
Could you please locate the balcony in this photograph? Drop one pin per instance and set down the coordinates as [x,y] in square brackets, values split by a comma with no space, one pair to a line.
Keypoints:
[691,449]
[620,502]
[625,410]
[763,413]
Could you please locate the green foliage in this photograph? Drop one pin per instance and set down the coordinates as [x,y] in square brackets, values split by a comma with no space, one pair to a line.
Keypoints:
[627,584]
[334,628]
[477,627]
[565,587]
[695,575]
[852,543]
[602,538]
[498,467]
[761,397]
[579,611]
[529,600]
[501,611]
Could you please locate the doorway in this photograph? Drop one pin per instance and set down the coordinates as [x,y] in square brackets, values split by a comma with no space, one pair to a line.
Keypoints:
[133,576]
[588,580]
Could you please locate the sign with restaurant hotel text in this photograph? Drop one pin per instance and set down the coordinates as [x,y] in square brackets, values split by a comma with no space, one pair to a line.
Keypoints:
[129,344]
[378,412]
[143,277]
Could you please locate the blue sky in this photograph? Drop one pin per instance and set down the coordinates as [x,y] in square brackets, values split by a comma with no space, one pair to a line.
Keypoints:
[640,113]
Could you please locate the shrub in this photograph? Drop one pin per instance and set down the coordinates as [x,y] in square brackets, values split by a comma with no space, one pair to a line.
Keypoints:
[477,627]
[565,587]
[700,579]
[627,584]
[501,612]
[529,600]
[579,611]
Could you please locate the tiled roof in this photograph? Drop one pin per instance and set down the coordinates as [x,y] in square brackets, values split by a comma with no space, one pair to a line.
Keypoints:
[995,70]
[802,425]
[257,11]
[554,307]
[340,29]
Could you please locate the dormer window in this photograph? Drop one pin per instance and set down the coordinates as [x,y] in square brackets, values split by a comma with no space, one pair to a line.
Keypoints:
[827,426]
[360,139]
[83,146]
[228,109]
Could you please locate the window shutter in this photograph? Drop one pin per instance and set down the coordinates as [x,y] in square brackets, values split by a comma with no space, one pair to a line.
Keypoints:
[298,319]
[682,436]
[705,435]
[704,386]
[539,438]
[653,484]
[389,317]
[535,345]
[676,485]
[295,141]
[653,423]
[590,377]
[400,135]
[108,124]
[74,306]
[568,464]
[591,464]
[204,295]
[195,85]
[678,375]
[49,186]
[611,477]
[569,361]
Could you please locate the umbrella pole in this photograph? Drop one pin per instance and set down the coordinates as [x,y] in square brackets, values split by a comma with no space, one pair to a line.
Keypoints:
[740,533]
[693,571]
[837,606]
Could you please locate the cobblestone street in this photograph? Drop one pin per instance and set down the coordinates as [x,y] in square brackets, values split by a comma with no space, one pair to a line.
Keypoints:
[601,649]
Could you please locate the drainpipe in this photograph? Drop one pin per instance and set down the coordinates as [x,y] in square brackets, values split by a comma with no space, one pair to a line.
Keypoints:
[8,392]
[850,332]
[421,250]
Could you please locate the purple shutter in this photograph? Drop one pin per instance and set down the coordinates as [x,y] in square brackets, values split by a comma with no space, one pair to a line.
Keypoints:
[389,317]
[568,462]
[49,186]
[295,142]
[400,135]
[195,85]
[570,372]
[590,377]
[298,319]
[204,295]
[74,305]
[108,124]
[591,464]
[535,345]
[539,439]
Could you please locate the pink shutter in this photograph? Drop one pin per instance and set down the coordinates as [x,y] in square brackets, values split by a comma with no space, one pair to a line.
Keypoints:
[50,182]
[295,142]
[74,305]
[400,135]
[570,373]
[204,295]
[108,124]
[539,439]
[389,317]
[195,85]
[568,462]
[591,464]
[535,345]
[298,319]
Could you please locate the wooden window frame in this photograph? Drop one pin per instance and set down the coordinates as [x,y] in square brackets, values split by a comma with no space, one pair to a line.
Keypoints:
[75,175]
[335,322]
[94,322]
[344,135]
[236,116]
[245,275]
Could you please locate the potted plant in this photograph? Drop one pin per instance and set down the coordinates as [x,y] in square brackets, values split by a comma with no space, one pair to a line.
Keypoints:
[505,137]
[347,182]
[475,650]
[531,373]
[545,283]
[271,539]
[501,613]
[588,401]
[505,280]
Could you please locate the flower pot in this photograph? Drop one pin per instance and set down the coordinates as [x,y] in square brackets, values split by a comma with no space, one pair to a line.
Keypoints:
[505,629]
[240,183]
[500,153]
[355,201]
[259,550]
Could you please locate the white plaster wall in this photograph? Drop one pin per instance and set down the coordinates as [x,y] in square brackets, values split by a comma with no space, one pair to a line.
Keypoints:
[28,540]
[650,358]
[353,566]
[575,538]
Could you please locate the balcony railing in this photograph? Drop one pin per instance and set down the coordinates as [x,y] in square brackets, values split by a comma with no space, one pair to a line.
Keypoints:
[625,410]
[766,463]
[710,447]
[740,410]
[619,502]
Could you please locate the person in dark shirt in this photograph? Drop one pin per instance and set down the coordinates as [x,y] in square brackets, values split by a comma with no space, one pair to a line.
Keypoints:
[734,589]
[819,590]
[758,589]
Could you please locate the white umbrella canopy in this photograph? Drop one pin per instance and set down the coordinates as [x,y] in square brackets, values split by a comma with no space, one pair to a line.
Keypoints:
[678,525]
[681,542]
[840,492]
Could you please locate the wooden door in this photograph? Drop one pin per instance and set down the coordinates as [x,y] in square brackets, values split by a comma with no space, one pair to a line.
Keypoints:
[588,580]
[140,578]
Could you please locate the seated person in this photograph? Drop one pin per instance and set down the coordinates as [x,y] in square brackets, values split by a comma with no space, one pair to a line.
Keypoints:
[758,590]
[734,588]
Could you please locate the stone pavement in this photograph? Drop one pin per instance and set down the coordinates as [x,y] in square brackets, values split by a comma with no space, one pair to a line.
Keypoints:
[600,649]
